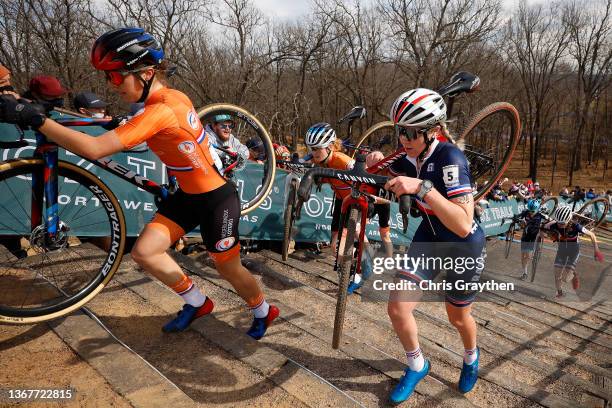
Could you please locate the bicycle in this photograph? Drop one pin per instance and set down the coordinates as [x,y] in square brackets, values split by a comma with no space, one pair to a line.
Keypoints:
[292,181]
[591,215]
[357,202]
[49,203]
[354,212]
[488,140]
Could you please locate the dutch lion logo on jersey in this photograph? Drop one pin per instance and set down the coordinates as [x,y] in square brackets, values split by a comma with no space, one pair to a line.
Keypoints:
[186,147]
[193,120]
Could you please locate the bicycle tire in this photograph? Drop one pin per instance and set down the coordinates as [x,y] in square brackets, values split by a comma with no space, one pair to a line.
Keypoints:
[288,218]
[549,199]
[348,260]
[536,255]
[373,129]
[509,239]
[602,206]
[12,176]
[511,114]
[252,128]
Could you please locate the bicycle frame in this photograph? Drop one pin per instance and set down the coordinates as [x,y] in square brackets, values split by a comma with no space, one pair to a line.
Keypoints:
[358,200]
[48,184]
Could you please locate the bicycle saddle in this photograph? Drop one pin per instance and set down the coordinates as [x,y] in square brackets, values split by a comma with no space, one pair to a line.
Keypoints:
[459,83]
[358,112]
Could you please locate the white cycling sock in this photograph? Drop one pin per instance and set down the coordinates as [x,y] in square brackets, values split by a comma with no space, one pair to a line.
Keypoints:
[416,361]
[470,355]
[357,279]
[261,310]
[194,297]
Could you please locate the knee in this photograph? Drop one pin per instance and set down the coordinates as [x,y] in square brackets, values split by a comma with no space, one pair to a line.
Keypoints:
[459,322]
[396,312]
[140,254]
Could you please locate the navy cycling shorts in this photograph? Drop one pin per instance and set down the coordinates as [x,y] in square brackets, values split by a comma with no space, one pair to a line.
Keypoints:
[458,250]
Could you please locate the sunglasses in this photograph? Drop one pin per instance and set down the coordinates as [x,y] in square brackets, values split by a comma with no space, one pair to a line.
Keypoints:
[409,133]
[117,77]
[229,126]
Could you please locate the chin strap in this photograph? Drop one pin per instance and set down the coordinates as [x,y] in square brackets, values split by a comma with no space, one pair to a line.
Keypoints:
[428,142]
[146,87]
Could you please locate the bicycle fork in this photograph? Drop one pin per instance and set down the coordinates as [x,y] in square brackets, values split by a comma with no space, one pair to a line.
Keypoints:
[46,184]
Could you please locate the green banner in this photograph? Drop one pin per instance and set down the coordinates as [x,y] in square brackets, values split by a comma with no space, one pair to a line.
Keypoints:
[264,223]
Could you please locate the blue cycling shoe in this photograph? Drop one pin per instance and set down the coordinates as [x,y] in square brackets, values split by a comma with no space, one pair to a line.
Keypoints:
[407,384]
[352,287]
[260,324]
[187,315]
[469,375]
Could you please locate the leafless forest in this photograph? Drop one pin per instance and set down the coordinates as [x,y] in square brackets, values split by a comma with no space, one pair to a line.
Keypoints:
[552,60]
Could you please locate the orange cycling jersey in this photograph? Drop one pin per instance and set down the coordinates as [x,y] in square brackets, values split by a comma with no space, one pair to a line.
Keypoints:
[171,127]
[339,161]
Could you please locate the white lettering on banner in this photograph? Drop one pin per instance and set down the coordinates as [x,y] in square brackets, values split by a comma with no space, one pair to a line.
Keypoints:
[80,201]
[146,165]
[148,206]
[329,203]
[265,205]
[131,205]
[17,153]
[319,207]
[63,199]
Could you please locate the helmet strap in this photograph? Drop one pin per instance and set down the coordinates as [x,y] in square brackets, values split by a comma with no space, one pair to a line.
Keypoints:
[329,152]
[428,142]
[146,87]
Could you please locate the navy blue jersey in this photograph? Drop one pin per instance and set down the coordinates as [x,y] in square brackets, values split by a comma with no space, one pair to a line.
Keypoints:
[533,221]
[569,233]
[447,168]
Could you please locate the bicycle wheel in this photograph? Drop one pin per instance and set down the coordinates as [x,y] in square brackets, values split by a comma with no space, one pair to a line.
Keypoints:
[380,137]
[60,275]
[509,238]
[489,141]
[536,255]
[254,182]
[593,213]
[549,205]
[346,268]
[289,217]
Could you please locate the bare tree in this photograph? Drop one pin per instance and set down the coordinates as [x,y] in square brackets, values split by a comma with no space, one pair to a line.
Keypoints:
[590,29]
[537,42]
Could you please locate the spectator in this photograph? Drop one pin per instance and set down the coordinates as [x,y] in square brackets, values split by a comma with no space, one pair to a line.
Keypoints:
[257,152]
[591,194]
[530,188]
[577,194]
[90,104]
[523,192]
[514,189]
[5,82]
[564,193]
[609,195]
[220,133]
[46,90]
[537,191]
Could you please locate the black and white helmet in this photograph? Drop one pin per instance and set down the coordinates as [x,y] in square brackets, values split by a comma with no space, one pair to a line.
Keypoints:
[320,135]
[563,214]
[418,107]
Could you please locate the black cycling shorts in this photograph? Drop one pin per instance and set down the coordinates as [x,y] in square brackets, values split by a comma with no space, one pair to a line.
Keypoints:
[335,224]
[384,213]
[217,213]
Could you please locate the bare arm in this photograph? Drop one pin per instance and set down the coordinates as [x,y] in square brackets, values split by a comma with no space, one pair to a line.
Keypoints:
[89,147]
[457,214]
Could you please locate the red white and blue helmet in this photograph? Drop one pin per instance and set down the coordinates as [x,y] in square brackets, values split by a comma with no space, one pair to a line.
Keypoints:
[125,49]
[420,107]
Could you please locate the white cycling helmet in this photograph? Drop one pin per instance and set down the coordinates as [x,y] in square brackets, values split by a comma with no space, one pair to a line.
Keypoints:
[418,107]
[320,135]
[563,214]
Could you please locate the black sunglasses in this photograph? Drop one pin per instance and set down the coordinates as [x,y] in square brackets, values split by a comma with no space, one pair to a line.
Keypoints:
[409,133]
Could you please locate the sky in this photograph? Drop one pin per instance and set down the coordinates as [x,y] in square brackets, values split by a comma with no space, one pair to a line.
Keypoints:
[286,10]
